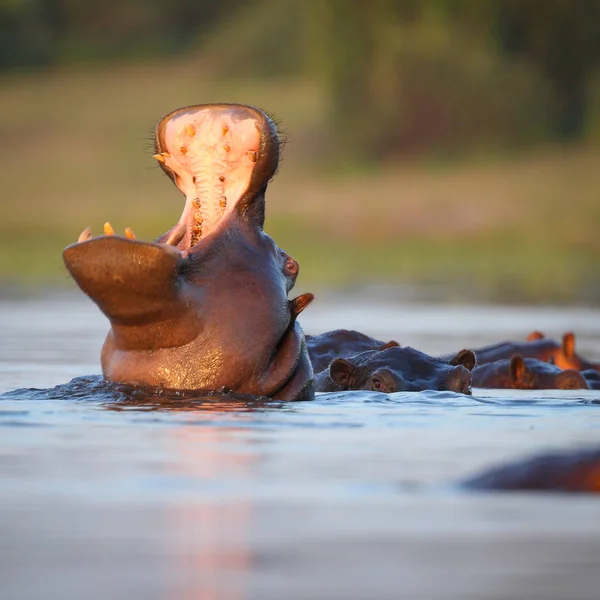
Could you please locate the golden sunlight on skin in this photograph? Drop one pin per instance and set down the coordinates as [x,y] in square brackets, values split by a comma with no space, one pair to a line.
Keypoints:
[211,535]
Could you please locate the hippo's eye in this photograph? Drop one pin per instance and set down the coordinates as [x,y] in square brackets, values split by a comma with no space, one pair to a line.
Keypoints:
[376,383]
[290,266]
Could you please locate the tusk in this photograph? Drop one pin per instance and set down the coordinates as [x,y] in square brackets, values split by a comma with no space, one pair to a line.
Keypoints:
[108,229]
[176,235]
[85,235]
[161,157]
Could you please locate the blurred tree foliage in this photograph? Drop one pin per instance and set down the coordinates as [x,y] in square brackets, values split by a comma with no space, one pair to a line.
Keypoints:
[399,75]
[562,37]
[37,33]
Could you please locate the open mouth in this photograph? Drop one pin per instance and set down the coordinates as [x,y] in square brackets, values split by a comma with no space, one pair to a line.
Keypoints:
[214,154]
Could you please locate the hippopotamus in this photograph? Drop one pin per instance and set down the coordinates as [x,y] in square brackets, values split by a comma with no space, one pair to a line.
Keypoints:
[527,374]
[340,343]
[592,377]
[397,369]
[571,471]
[205,306]
[538,346]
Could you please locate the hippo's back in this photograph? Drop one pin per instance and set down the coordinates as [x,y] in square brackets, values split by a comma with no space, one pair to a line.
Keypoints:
[339,343]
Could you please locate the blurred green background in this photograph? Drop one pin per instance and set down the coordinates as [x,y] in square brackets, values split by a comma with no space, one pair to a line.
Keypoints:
[451,144]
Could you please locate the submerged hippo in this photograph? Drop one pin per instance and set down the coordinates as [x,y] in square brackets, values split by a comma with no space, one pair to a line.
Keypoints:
[592,377]
[538,346]
[527,374]
[396,369]
[570,471]
[205,306]
[340,343]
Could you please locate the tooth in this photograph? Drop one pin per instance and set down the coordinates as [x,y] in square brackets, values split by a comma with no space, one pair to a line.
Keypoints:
[252,155]
[129,233]
[196,235]
[223,201]
[176,235]
[190,129]
[183,150]
[199,218]
[108,229]
[227,147]
[225,129]
[85,235]
[161,157]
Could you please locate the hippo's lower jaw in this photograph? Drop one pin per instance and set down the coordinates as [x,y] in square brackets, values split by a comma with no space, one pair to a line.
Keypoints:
[205,306]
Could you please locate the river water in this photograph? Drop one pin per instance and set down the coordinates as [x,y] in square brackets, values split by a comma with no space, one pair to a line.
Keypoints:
[353,495]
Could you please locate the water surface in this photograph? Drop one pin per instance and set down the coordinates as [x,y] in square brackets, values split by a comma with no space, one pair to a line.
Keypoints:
[355,495]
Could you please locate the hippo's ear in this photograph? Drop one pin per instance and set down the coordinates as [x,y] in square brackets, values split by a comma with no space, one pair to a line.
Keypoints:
[517,368]
[535,335]
[390,344]
[466,358]
[341,372]
[297,305]
[568,344]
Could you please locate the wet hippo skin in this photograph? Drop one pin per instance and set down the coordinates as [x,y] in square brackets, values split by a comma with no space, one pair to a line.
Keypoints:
[396,369]
[575,471]
[538,346]
[527,374]
[204,307]
[340,343]
[592,377]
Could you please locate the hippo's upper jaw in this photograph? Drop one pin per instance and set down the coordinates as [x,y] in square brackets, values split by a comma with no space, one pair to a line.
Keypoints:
[205,306]
[221,157]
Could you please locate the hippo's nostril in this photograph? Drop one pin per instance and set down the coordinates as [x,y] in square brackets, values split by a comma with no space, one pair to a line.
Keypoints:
[461,380]
[466,388]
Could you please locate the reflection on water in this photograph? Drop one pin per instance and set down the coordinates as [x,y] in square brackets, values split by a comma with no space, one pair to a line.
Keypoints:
[214,555]
[109,490]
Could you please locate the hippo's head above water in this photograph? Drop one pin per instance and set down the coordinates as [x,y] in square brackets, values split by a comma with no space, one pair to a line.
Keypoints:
[397,369]
[527,374]
[205,306]
[563,355]
[538,346]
